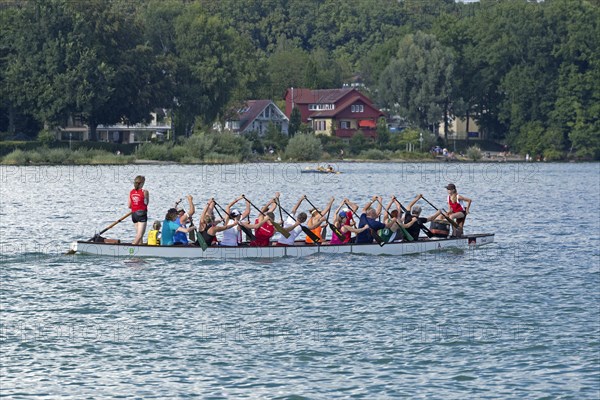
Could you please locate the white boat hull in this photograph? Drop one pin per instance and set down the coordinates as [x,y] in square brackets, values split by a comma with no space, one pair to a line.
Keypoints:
[299,250]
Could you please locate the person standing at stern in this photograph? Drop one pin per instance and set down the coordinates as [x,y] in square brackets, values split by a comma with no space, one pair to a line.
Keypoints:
[138,203]
[457,210]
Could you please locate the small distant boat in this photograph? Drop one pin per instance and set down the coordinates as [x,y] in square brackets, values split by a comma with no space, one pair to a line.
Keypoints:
[300,249]
[320,170]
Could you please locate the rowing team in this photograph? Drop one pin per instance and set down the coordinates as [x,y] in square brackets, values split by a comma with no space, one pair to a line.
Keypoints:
[395,224]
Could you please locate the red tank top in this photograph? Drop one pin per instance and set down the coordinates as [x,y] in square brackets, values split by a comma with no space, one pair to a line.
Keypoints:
[262,235]
[137,200]
[455,207]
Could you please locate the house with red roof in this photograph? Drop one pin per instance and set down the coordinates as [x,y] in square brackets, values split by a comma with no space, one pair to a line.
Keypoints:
[338,112]
[255,116]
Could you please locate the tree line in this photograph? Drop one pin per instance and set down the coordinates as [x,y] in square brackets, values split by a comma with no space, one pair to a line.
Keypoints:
[528,72]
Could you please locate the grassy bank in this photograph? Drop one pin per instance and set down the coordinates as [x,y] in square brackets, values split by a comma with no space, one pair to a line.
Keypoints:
[64,156]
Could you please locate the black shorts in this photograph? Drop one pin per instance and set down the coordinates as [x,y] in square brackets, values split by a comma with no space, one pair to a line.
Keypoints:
[139,216]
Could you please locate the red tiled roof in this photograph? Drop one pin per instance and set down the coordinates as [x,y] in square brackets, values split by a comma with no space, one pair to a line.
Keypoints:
[322,96]
[254,108]
[341,107]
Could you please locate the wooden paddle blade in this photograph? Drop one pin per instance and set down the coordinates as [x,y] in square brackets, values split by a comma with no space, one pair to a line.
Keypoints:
[280,229]
[248,233]
[311,234]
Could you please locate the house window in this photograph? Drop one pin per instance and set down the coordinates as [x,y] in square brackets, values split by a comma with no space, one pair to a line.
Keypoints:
[320,125]
[320,107]
[358,108]
[344,124]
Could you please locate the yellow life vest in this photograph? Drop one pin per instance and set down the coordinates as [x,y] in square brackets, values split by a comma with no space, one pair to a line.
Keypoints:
[153,239]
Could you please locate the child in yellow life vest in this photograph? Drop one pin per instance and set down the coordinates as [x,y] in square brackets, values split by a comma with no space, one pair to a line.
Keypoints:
[154,234]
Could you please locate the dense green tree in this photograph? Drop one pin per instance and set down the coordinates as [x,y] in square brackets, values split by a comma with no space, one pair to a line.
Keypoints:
[207,68]
[418,82]
[295,121]
[74,65]
[274,138]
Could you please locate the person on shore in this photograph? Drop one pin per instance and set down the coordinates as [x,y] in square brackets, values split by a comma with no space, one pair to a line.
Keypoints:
[369,218]
[232,236]
[183,218]
[138,203]
[315,216]
[456,209]
[170,226]
[154,234]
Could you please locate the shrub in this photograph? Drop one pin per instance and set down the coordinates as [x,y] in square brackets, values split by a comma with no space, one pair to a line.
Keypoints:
[16,157]
[58,156]
[358,142]
[303,147]
[229,143]
[553,155]
[474,153]
[373,154]
[151,151]
[46,137]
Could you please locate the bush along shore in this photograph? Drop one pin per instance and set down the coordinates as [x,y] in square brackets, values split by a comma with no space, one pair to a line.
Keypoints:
[227,148]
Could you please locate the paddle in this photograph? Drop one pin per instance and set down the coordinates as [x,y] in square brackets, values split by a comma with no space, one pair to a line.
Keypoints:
[454,224]
[307,231]
[421,225]
[334,228]
[407,235]
[110,226]
[247,231]
[278,227]
[373,232]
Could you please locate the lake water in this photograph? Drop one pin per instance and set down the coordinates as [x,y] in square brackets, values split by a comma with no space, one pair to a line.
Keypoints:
[516,319]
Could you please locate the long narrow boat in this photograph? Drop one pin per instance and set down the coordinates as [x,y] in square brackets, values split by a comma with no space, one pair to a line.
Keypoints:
[309,170]
[299,250]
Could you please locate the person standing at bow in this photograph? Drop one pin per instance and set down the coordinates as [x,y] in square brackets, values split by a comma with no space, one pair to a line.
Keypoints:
[138,203]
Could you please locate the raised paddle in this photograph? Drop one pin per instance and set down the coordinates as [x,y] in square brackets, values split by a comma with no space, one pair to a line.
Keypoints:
[247,231]
[421,225]
[277,227]
[373,232]
[307,231]
[454,224]
[110,226]
[334,228]
[407,235]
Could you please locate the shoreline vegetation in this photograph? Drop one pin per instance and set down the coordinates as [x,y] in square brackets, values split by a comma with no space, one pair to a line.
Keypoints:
[228,148]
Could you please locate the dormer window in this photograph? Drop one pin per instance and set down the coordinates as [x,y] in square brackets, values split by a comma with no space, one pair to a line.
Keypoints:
[321,107]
